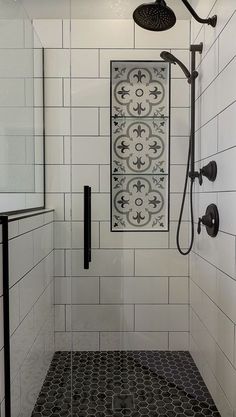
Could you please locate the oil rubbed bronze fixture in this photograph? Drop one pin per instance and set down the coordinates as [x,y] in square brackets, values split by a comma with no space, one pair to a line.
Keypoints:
[158,16]
[210,220]
[210,170]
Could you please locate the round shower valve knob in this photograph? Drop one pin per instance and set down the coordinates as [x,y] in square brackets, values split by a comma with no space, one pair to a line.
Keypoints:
[210,220]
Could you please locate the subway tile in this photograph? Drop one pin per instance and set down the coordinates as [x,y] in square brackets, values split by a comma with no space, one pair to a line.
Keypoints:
[161,318]
[102,318]
[226,53]
[175,204]
[77,341]
[177,177]
[49,32]
[53,92]
[180,122]
[179,341]
[104,121]
[12,33]
[54,150]
[208,69]
[227,207]
[110,341]
[56,201]
[216,322]
[43,242]
[57,121]
[94,150]
[59,263]
[160,263]
[108,55]
[60,317]
[30,223]
[22,338]
[84,63]
[85,290]
[208,139]
[90,92]
[227,128]
[131,240]
[176,37]
[214,357]
[179,150]
[104,178]
[183,236]
[204,275]
[62,288]
[226,172]
[100,207]
[214,251]
[104,263]
[226,293]
[78,235]
[14,315]
[66,31]
[57,63]
[179,93]
[20,257]
[183,56]
[84,121]
[58,178]
[134,290]
[88,33]
[62,235]
[179,290]
[85,175]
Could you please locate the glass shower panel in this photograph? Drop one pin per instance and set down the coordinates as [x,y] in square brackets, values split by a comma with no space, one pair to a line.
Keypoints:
[21,112]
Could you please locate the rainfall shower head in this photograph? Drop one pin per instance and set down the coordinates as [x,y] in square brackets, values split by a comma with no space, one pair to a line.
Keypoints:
[168,57]
[154,16]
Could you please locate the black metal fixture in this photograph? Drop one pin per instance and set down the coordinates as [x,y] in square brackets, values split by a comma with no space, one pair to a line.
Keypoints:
[210,220]
[190,171]
[87,226]
[158,16]
[209,171]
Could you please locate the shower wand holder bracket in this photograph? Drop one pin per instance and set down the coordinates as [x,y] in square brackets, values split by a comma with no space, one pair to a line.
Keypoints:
[210,220]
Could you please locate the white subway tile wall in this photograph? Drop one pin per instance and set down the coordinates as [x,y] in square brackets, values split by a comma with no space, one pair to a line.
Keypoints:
[31,286]
[212,274]
[135,294]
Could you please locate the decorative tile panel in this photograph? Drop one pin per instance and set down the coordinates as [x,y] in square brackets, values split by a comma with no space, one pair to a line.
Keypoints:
[140,89]
[140,145]
[139,202]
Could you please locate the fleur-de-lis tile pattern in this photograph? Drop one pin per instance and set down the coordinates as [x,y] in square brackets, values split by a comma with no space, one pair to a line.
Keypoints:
[140,145]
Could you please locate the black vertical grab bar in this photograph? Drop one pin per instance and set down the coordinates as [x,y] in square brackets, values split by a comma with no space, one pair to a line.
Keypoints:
[87,226]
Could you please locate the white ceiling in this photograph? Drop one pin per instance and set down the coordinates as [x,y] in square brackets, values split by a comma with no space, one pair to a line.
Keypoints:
[92,9]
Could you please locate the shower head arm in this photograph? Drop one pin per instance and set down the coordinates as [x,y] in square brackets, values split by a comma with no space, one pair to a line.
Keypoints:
[210,21]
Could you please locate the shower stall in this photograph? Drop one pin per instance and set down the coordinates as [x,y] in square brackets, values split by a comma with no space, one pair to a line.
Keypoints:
[102,315]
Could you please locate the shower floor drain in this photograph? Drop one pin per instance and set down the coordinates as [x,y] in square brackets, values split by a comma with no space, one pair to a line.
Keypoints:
[123,402]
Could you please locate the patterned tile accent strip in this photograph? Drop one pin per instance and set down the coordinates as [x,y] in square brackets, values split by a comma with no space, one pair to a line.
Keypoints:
[140,145]
[117,384]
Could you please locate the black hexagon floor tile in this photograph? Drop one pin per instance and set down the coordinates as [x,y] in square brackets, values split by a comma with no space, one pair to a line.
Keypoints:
[119,384]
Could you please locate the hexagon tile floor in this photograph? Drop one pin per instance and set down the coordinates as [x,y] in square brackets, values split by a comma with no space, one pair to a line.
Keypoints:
[119,384]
